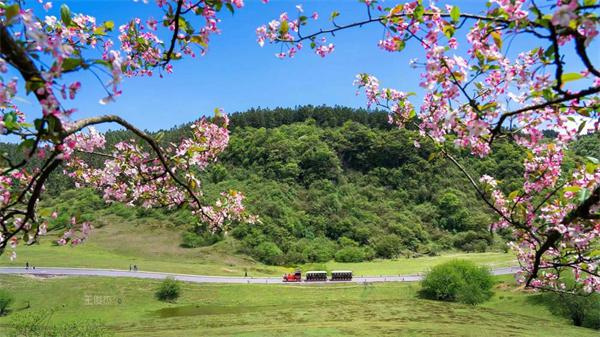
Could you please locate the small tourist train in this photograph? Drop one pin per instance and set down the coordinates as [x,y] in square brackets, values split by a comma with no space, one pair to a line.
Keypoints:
[313,276]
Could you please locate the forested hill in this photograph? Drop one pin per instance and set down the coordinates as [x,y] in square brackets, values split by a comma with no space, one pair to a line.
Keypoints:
[336,182]
[323,116]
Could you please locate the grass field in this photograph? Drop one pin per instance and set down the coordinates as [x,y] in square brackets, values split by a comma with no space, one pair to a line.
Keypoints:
[128,308]
[153,248]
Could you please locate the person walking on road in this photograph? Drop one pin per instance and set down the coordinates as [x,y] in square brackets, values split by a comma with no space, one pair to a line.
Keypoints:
[26,265]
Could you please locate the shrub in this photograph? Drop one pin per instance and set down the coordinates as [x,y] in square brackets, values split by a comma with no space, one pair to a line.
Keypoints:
[350,254]
[320,249]
[582,309]
[169,290]
[193,240]
[472,241]
[6,300]
[458,280]
[269,253]
[388,246]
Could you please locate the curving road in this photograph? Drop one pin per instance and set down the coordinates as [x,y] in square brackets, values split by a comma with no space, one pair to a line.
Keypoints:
[55,271]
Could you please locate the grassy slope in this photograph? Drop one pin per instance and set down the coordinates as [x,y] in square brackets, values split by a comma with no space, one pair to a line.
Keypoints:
[292,310]
[155,248]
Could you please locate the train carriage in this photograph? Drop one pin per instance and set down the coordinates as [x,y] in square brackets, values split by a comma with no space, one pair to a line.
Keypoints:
[341,275]
[316,276]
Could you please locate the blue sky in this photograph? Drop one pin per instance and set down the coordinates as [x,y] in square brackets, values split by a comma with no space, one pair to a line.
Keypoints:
[236,74]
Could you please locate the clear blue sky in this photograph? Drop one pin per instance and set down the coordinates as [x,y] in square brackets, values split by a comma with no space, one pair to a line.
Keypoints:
[236,74]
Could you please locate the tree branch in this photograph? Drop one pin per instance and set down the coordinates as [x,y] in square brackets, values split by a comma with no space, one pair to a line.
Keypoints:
[83,123]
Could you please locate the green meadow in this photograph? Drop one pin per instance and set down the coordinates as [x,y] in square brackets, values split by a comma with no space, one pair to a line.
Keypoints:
[128,308]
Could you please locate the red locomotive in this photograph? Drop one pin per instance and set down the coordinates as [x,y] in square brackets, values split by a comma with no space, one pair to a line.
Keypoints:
[295,277]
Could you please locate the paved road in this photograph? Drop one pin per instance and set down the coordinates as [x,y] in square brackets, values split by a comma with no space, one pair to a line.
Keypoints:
[53,271]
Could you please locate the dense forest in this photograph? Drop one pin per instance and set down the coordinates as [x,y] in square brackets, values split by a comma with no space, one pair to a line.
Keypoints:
[335,183]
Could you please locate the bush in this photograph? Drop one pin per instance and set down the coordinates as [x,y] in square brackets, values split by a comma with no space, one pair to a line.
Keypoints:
[458,280]
[582,309]
[193,240]
[269,253]
[169,290]
[320,249]
[388,246]
[471,241]
[6,300]
[350,254]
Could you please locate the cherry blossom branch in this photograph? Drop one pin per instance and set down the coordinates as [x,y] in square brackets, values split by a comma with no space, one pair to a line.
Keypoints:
[564,98]
[169,53]
[383,19]
[553,236]
[83,123]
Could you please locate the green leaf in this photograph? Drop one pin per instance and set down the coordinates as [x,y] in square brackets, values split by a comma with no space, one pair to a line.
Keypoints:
[589,2]
[11,11]
[10,121]
[488,106]
[38,124]
[418,12]
[109,25]
[334,15]
[455,13]
[581,126]
[102,62]
[593,160]
[400,44]
[572,189]
[230,7]
[70,64]
[448,30]
[65,14]
[568,77]
[284,28]
[584,194]
[590,168]
[199,40]
[33,84]
[497,39]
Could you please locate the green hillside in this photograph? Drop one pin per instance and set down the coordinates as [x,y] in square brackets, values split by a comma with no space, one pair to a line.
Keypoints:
[328,183]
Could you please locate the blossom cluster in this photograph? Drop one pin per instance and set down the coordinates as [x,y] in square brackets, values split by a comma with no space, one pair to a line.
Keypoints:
[286,29]
[136,177]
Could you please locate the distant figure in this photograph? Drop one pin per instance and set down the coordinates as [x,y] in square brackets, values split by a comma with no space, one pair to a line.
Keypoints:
[27,265]
[33,267]
[129,267]
[135,267]
[245,273]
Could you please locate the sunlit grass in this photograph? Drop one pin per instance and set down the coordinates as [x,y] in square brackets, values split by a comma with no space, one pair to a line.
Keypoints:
[128,307]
